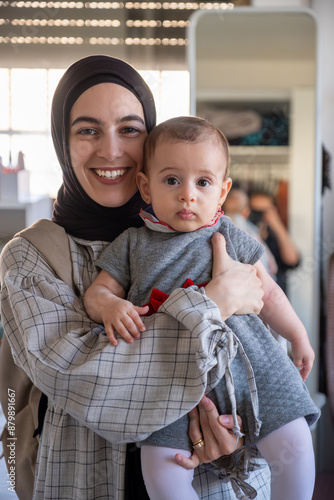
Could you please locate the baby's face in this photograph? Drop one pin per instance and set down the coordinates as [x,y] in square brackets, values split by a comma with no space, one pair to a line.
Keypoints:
[186,183]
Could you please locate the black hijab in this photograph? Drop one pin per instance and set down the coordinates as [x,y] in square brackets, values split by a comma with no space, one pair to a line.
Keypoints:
[74,210]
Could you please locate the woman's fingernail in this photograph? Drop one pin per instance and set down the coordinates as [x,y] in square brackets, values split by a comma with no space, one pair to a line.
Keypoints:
[205,401]
[224,419]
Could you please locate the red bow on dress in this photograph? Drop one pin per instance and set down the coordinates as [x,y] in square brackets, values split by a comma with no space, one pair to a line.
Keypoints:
[158,297]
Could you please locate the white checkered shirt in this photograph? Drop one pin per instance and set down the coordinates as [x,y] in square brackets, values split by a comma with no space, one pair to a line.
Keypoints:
[101,397]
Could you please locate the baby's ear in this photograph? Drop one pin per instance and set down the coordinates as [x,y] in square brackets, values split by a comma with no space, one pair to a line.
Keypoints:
[227,184]
[144,187]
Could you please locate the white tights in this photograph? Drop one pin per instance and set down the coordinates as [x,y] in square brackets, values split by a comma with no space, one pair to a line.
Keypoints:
[164,478]
[288,451]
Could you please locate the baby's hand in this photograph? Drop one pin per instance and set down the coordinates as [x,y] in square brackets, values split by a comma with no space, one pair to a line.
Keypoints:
[123,317]
[303,356]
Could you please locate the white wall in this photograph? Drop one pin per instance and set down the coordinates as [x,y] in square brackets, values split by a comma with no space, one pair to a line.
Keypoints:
[324,10]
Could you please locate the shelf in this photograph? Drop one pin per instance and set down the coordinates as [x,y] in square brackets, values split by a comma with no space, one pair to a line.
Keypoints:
[15,216]
[242,95]
[22,203]
[260,154]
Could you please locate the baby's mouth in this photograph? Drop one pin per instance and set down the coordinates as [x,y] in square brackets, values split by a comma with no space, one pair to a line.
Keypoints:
[110,174]
[186,214]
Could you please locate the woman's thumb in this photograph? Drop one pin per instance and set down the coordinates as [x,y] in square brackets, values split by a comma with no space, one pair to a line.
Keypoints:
[220,255]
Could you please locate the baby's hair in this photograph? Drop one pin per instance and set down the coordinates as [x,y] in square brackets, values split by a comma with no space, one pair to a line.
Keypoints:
[185,129]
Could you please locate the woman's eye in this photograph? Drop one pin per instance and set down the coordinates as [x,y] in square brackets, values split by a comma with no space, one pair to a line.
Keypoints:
[203,183]
[130,130]
[172,181]
[87,131]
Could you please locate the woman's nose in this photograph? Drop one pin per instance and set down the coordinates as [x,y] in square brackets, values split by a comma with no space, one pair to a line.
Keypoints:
[109,147]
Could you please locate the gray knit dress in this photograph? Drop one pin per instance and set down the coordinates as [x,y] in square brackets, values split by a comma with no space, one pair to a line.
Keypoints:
[155,256]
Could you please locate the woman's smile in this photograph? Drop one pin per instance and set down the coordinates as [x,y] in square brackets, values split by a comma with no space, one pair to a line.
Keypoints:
[110,174]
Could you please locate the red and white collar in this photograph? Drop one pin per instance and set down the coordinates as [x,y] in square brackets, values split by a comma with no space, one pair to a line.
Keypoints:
[153,223]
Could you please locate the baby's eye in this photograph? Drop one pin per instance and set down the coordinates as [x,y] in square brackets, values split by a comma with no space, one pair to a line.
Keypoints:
[203,183]
[172,181]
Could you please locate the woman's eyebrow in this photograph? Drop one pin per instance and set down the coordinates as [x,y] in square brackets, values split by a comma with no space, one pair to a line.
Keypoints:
[90,119]
[131,118]
[86,119]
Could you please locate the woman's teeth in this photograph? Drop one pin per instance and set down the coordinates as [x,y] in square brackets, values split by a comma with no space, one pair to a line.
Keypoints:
[110,174]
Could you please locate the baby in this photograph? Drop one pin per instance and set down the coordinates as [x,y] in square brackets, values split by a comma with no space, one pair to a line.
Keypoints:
[185,178]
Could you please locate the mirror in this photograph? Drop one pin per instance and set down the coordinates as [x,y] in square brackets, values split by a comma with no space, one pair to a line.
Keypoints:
[262,64]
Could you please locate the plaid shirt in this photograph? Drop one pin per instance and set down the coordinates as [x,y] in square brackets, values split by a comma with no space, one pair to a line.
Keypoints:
[101,397]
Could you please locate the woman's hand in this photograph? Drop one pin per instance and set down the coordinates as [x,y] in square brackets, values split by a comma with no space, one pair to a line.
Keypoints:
[216,432]
[235,287]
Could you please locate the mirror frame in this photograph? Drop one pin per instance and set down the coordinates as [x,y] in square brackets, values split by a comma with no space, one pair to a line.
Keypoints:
[313,265]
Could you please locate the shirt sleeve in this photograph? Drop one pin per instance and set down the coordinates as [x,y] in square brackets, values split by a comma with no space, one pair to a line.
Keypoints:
[122,393]
[241,246]
[115,259]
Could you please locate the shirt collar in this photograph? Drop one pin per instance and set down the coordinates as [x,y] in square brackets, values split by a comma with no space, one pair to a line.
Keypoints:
[153,223]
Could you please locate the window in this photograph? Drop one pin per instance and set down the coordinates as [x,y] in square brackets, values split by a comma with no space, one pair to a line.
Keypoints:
[25,103]
[60,32]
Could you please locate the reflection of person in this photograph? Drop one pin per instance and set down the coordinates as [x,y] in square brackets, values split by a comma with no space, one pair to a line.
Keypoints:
[236,206]
[273,231]
[186,179]
[101,112]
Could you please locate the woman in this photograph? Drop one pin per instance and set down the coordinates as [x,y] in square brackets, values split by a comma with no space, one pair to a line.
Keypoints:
[101,113]
[265,215]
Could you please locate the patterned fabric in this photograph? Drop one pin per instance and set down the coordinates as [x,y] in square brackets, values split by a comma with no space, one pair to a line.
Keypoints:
[100,396]
[215,357]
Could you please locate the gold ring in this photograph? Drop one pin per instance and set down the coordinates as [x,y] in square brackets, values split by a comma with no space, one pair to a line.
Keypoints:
[198,444]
